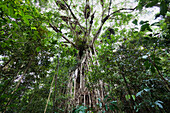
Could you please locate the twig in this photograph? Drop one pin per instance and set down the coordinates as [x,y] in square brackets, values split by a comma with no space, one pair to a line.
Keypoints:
[123,9]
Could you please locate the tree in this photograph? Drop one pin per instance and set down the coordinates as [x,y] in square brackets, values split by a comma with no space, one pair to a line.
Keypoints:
[84,42]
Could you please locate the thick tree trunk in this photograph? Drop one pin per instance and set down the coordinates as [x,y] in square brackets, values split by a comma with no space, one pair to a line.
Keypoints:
[82,95]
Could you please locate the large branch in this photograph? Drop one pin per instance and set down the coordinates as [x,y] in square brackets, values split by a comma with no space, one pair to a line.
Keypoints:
[73,15]
[57,30]
[105,19]
[91,23]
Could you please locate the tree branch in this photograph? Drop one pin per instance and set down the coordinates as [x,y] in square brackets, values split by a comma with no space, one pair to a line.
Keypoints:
[91,23]
[109,6]
[123,9]
[6,64]
[166,82]
[73,15]
[105,19]
[97,34]
[57,30]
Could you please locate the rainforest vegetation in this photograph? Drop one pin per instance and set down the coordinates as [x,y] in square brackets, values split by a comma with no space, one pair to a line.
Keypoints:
[84,56]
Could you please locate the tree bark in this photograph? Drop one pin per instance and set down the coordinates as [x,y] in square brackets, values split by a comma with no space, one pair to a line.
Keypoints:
[54,100]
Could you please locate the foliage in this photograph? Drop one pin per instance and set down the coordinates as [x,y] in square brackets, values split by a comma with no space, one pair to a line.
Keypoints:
[133,63]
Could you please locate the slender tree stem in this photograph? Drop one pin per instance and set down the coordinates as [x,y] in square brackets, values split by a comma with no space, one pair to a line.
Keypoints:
[49,94]
[160,74]
[54,101]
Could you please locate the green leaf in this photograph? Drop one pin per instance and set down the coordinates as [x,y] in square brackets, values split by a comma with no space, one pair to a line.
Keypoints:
[127,97]
[81,109]
[10,11]
[157,15]
[163,8]
[147,64]
[155,24]
[135,21]
[147,89]
[105,97]
[28,17]
[152,69]
[157,59]
[113,107]
[146,27]
[133,96]
[139,93]
[159,67]
[106,107]
[152,3]
[38,49]
[143,22]
[3,45]
[25,20]
[33,28]
[158,103]
[113,102]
